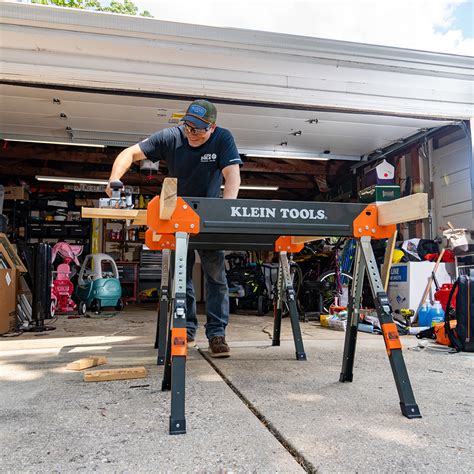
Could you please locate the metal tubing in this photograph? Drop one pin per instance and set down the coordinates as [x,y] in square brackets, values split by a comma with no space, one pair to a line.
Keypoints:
[290,297]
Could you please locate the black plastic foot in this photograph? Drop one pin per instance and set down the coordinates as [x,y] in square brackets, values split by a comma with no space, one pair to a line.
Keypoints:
[177,426]
[410,411]
[275,343]
[300,356]
[345,378]
[165,386]
[160,361]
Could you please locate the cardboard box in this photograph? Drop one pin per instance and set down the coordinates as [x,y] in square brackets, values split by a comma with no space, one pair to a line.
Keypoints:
[15,192]
[8,280]
[10,268]
[408,282]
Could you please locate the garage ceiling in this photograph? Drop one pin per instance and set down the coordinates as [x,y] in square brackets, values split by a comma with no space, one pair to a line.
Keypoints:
[87,117]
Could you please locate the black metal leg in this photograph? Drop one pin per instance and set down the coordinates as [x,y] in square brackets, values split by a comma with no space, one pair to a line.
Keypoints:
[393,345]
[353,318]
[177,418]
[290,298]
[161,329]
[163,308]
[392,341]
[295,326]
[277,310]
[166,384]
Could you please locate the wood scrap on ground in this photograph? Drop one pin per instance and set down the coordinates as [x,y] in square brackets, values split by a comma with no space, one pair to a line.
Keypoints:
[116,374]
[86,362]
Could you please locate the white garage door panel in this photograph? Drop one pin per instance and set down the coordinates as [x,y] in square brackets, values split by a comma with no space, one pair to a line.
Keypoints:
[457,192]
[456,209]
[463,221]
[451,176]
[451,158]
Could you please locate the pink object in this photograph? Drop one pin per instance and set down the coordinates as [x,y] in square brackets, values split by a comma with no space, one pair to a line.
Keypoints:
[63,288]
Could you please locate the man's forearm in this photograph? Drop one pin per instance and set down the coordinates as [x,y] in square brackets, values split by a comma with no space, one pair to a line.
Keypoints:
[231,187]
[121,165]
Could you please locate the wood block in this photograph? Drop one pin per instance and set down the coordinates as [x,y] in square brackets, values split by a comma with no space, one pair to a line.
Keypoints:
[115,374]
[87,362]
[168,198]
[406,209]
[387,261]
[302,239]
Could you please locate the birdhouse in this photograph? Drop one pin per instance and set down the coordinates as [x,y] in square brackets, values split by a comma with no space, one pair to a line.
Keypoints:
[383,173]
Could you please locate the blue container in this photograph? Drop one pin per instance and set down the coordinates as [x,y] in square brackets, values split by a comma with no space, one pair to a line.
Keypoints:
[437,313]
[424,316]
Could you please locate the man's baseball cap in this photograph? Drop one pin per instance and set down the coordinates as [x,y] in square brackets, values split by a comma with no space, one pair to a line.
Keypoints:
[201,114]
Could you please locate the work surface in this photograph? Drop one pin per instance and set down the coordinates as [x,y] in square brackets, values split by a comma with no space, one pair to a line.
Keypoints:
[51,420]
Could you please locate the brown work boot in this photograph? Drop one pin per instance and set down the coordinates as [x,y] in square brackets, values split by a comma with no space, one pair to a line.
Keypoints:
[218,347]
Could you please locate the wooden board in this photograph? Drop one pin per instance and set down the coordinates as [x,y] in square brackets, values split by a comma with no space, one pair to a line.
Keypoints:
[86,362]
[168,198]
[406,209]
[116,374]
[137,215]
[387,261]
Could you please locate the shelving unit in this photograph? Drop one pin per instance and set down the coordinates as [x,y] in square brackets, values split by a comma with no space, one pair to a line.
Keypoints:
[28,222]
[122,243]
[149,272]
[128,274]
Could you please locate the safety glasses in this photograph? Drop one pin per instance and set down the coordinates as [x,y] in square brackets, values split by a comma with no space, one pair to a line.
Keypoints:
[196,131]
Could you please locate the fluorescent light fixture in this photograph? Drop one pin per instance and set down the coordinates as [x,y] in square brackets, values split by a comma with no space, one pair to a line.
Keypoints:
[53,143]
[287,157]
[296,155]
[61,179]
[257,188]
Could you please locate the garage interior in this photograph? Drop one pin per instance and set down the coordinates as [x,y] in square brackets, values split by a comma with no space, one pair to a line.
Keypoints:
[59,140]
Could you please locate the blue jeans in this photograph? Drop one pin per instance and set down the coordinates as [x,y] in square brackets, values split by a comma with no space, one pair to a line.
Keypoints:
[217,293]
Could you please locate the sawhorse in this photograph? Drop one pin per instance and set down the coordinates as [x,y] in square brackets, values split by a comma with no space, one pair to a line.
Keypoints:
[171,322]
[365,264]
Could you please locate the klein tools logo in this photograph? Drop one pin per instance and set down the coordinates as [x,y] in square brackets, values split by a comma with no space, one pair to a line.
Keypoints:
[284,213]
[208,158]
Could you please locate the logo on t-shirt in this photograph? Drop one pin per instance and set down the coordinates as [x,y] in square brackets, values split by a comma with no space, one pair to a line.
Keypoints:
[208,158]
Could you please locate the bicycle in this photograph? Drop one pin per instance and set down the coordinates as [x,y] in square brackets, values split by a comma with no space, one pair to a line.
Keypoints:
[326,279]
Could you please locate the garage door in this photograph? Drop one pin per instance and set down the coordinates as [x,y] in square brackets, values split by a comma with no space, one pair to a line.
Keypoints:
[451,176]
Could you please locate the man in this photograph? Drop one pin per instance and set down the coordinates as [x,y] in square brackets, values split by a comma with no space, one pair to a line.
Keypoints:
[199,154]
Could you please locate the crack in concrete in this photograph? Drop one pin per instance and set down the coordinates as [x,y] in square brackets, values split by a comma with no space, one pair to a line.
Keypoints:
[292,450]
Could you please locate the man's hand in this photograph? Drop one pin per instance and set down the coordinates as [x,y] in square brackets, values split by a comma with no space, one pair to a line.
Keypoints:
[108,190]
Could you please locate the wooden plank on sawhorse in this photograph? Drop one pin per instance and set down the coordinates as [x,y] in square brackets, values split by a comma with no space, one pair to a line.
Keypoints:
[406,209]
[138,216]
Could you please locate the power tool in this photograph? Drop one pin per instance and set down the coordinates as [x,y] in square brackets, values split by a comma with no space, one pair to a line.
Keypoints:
[118,200]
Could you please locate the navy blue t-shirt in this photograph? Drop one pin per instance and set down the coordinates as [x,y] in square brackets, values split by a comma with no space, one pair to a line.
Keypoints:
[198,169]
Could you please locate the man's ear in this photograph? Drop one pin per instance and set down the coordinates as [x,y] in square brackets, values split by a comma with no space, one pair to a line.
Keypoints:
[213,127]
